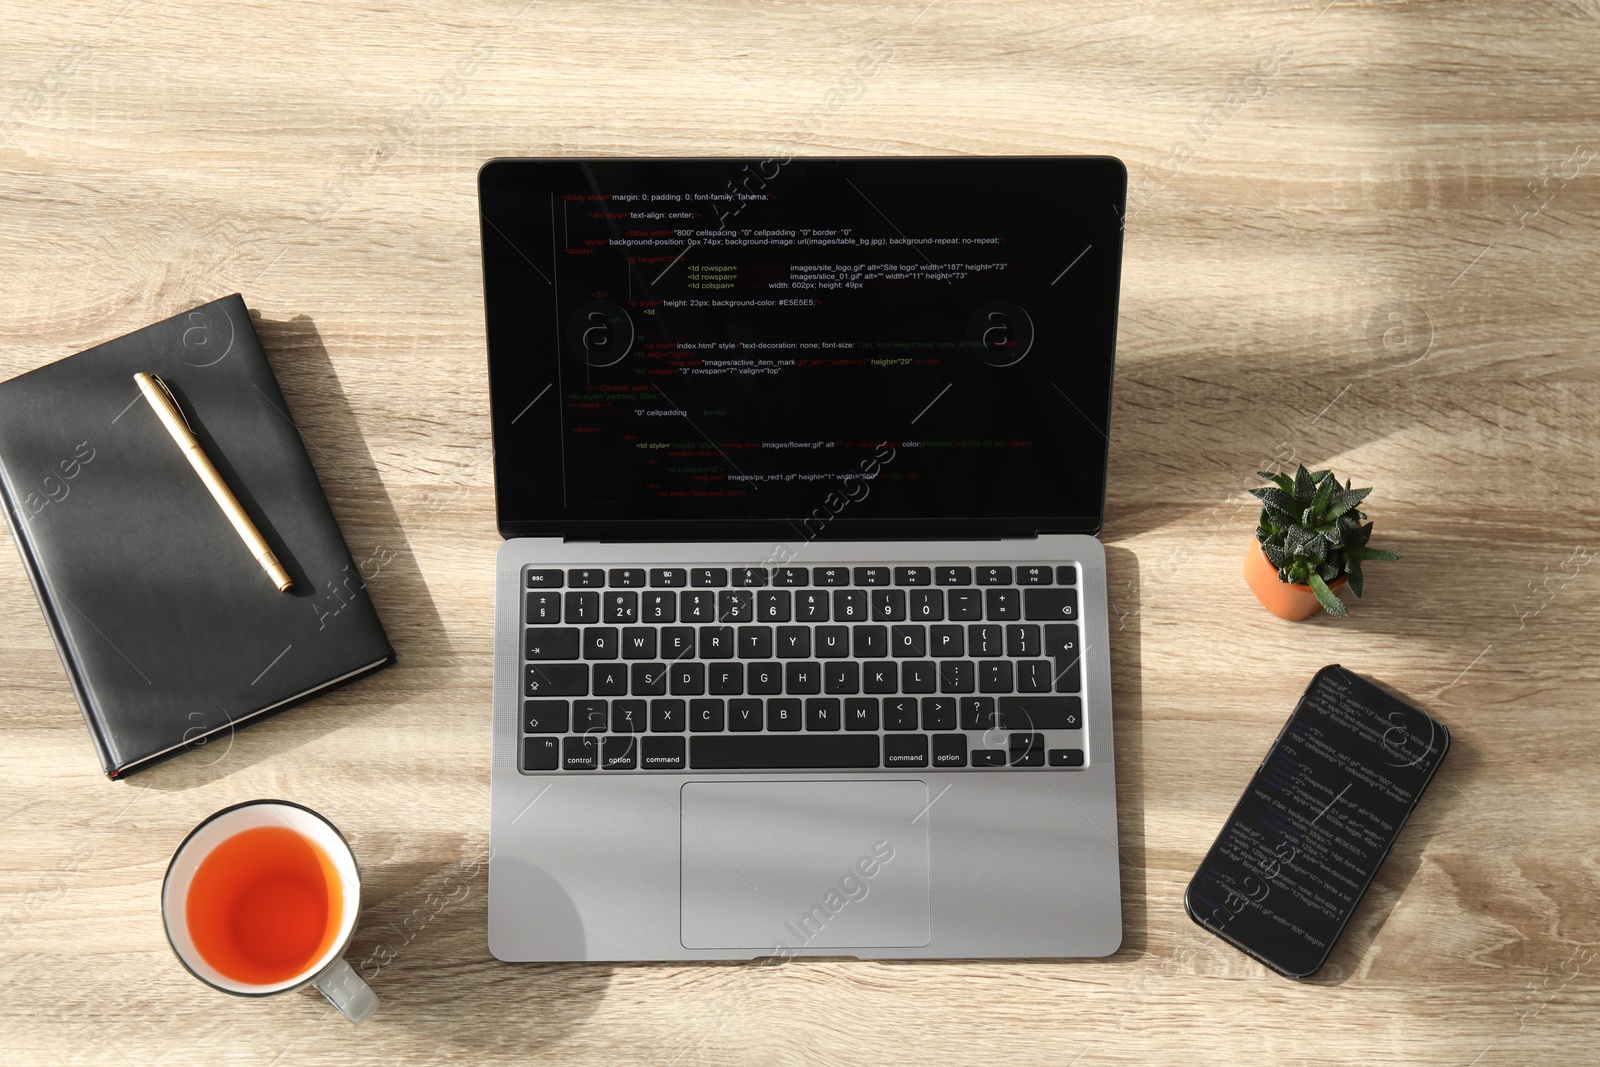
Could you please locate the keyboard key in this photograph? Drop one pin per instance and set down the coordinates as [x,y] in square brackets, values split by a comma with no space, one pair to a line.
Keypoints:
[677,642]
[716,642]
[727,679]
[773,605]
[590,716]
[662,754]
[880,677]
[927,605]
[953,575]
[977,713]
[744,715]
[669,577]
[667,716]
[545,579]
[994,676]
[600,642]
[639,642]
[1022,641]
[610,679]
[988,757]
[759,752]
[957,676]
[918,676]
[913,576]
[1040,713]
[984,640]
[1033,575]
[649,679]
[764,679]
[1066,757]
[949,750]
[872,575]
[543,609]
[888,605]
[1067,574]
[909,641]
[544,716]
[686,679]
[1027,750]
[544,642]
[900,713]
[1054,605]
[736,605]
[869,642]
[832,642]
[794,642]
[947,641]
[966,604]
[755,642]
[783,715]
[861,714]
[830,576]
[541,753]
[1061,645]
[626,577]
[751,576]
[994,575]
[708,577]
[659,607]
[822,713]
[849,605]
[583,607]
[586,578]
[705,716]
[791,576]
[580,753]
[811,605]
[619,754]
[802,678]
[938,713]
[1001,605]
[555,680]
[905,750]
[841,676]
[696,606]
[1035,676]
[628,717]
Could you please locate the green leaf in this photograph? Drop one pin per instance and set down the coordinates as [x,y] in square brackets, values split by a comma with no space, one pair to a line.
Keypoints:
[1330,603]
[1282,481]
[1372,553]
[1275,555]
[1352,570]
[1346,499]
[1304,485]
[1319,503]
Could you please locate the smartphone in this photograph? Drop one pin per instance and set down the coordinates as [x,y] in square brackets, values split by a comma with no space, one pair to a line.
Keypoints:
[1323,810]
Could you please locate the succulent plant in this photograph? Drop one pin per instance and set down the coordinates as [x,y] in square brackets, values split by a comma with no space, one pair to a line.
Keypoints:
[1311,531]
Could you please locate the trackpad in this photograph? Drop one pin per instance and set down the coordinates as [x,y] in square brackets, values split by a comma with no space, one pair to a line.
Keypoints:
[788,865]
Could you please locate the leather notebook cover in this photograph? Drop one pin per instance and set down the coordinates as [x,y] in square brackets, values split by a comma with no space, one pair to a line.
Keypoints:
[169,629]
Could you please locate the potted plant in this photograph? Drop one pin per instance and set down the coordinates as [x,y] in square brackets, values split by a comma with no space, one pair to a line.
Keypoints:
[1309,545]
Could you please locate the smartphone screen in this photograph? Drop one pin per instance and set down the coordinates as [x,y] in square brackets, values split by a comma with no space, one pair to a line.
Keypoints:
[1322,811]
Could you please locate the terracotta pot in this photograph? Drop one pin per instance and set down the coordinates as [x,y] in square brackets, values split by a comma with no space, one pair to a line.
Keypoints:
[1286,600]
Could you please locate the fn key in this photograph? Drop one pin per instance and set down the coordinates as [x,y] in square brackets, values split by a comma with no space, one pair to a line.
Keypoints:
[541,753]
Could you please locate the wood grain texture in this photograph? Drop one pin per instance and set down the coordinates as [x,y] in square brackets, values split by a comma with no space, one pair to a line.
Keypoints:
[1361,234]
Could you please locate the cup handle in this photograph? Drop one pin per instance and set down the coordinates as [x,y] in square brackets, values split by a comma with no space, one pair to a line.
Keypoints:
[346,991]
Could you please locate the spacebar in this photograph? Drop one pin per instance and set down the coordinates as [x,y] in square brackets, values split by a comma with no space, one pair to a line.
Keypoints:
[769,752]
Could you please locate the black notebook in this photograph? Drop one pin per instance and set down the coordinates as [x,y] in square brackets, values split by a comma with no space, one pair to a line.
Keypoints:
[169,629]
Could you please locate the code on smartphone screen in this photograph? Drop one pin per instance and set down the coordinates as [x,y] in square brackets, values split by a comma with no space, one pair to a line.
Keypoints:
[1316,821]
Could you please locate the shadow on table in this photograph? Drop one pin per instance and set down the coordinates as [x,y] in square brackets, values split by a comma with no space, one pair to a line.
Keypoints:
[377,540]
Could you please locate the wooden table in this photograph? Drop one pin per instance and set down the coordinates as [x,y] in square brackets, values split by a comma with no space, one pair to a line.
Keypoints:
[1359,235]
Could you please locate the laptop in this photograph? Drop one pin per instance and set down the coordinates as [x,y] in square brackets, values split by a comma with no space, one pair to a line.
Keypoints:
[800,621]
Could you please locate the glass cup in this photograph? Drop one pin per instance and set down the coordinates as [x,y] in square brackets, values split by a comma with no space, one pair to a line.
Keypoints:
[261,899]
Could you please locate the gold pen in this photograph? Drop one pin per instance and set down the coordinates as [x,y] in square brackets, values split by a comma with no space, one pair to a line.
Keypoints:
[155,390]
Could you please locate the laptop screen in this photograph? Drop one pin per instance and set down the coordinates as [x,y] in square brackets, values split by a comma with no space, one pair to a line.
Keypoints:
[801,347]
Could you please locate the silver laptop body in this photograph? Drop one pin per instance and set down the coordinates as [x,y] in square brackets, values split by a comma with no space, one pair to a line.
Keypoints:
[642,815]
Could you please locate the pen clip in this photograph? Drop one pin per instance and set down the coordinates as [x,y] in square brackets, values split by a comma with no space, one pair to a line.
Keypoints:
[175,405]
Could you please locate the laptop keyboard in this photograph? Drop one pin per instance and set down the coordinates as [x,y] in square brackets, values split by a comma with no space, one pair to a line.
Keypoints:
[843,667]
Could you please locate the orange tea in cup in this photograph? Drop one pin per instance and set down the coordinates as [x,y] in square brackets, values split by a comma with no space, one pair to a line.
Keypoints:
[264,905]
